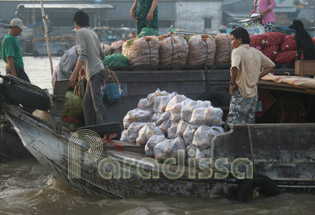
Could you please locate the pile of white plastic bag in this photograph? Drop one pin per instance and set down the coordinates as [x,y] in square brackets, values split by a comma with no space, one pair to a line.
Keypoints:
[167,122]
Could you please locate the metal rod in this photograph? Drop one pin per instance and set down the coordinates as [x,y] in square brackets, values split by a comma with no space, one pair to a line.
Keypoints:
[46,35]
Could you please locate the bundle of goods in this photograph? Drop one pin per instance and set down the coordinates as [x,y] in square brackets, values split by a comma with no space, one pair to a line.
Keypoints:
[142,51]
[271,52]
[115,60]
[73,111]
[257,41]
[202,50]
[116,46]
[107,49]
[286,57]
[288,43]
[223,49]
[167,122]
[273,38]
[148,32]
[173,51]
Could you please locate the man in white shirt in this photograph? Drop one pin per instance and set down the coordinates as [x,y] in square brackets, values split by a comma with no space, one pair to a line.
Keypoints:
[246,64]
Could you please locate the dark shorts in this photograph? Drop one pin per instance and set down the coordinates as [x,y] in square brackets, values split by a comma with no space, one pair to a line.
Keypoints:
[20,73]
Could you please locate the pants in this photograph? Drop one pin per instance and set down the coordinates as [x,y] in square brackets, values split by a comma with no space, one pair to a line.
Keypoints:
[242,110]
[94,109]
[20,73]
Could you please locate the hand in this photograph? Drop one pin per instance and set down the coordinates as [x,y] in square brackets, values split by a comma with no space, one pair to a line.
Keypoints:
[232,89]
[262,15]
[73,78]
[150,17]
[132,14]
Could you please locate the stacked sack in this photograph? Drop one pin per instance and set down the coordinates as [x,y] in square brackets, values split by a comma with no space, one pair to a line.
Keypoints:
[288,51]
[223,49]
[202,49]
[167,122]
[116,47]
[276,46]
[142,51]
[173,50]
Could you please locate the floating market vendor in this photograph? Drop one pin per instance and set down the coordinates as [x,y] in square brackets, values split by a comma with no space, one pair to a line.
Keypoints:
[145,13]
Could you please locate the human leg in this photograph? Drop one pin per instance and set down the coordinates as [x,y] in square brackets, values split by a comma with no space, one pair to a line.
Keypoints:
[88,109]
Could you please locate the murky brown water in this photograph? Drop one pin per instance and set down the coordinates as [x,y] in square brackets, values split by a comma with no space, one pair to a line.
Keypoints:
[27,188]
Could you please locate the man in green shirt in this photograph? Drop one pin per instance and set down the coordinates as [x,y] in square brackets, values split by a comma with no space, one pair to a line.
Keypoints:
[11,50]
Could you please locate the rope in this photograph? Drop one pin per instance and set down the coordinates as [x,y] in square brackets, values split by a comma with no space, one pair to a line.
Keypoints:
[172,50]
[206,52]
[149,52]
[251,146]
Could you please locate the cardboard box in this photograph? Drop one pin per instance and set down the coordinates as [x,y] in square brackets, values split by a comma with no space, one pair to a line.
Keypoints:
[304,68]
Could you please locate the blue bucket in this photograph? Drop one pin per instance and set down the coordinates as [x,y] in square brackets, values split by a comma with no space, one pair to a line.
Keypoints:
[112,92]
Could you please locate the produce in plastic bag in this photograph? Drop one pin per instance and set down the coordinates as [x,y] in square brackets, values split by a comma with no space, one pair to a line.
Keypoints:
[173,51]
[201,155]
[181,127]
[163,117]
[156,117]
[274,38]
[133,130]
[142,51]
[223,49]
[136,115]
[158,92]
[204,135]
[73,105]
[188,109]
[116,46]
[145,104]
[151,143]
[171,132]
[202,50]
[257,41]
[206,116]
[203,104]
[176,112]
[164,101]
[175,100]
[168,149]
[123,136]
[191,151]
[166,125]
[189,133]
[146,132]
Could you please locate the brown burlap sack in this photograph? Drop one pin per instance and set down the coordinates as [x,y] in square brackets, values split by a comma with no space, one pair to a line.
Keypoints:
[202,50]
[142,51]
[173,51]
[223,49]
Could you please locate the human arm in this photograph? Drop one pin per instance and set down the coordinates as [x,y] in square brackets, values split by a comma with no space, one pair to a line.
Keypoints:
[153,7]
[272,5]
[75,72]
[11,65]
[132,10]
[267,66]
[234,73]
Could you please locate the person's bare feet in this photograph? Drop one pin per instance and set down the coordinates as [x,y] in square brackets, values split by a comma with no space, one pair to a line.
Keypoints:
[110,136]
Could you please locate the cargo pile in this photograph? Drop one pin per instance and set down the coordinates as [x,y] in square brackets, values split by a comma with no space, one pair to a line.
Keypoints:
[174,50]
[279,47]
[167,122]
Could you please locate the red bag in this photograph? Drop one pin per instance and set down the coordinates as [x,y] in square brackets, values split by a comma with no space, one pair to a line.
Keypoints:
[286,56]
[257,41]
[271,52]
[273,38]
[288,43]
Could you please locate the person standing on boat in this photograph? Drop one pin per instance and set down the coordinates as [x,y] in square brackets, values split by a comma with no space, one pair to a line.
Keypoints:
[90,55]
[246,64]
[11,50]
[145,13]
[265,9]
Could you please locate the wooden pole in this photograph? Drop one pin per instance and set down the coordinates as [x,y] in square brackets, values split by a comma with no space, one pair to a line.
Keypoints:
[46,35]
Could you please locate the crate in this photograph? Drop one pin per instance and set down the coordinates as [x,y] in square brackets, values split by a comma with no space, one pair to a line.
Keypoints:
[305,68]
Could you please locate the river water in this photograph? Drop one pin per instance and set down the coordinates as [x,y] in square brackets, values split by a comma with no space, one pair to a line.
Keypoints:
[27,188]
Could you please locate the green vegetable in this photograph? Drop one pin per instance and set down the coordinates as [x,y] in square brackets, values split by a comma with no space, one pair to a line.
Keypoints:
[148,32]
[73,105]
[115,60]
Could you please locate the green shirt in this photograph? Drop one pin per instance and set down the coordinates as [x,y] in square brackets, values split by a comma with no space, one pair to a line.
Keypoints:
[11,48]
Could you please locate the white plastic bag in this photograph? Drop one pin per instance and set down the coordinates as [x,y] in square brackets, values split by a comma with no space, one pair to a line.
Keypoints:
[146,132]
[145,104]
[203,157]
[204,135]
[163,117]
[188,134]
[182,125]
[133,131]
[151,143]
[166,125]
[175,100]
[171,132]
[168,149]
[136,115]
[176,112]
[164,101]
[123,136]
[187,110]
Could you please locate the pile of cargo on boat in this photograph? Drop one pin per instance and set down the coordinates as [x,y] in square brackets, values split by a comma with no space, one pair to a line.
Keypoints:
[167,122]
